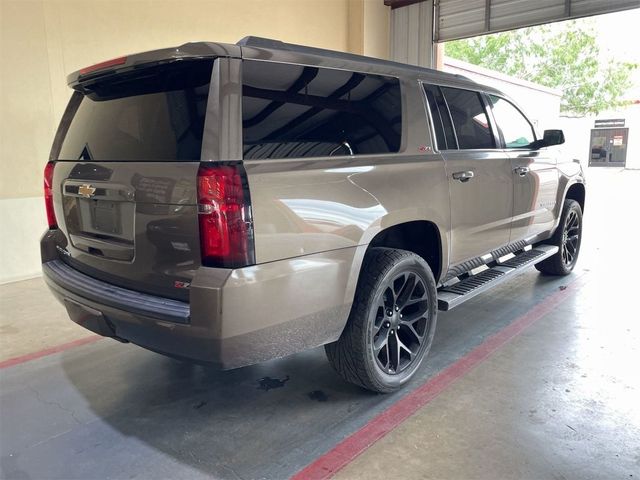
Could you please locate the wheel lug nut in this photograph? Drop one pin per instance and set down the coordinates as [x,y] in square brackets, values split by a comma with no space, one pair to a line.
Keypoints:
[397,308]
[391,333]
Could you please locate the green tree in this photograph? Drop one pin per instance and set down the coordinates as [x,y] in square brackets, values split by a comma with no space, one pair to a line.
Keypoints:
[566,57]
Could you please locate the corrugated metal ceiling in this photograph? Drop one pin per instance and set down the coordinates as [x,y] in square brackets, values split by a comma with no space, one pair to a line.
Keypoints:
[467,18]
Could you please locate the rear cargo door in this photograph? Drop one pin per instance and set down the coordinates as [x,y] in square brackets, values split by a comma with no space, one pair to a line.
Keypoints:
[126,172]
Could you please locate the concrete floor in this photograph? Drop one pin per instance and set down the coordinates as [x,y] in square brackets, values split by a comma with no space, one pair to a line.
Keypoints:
[30,321]
[561,400]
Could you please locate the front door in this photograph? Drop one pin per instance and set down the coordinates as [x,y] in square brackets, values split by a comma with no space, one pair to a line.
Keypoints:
[535,173]
[480,178]
[535,190]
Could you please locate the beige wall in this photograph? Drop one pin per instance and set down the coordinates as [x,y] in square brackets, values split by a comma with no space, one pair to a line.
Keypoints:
[376,18]
[41,41]
[368,30]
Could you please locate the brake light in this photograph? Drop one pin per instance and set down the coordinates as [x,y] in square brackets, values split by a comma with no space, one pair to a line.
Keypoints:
[224,215]
[48,194]
[99,66]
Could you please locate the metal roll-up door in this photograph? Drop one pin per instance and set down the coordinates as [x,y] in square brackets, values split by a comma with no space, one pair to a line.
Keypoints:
[456,19]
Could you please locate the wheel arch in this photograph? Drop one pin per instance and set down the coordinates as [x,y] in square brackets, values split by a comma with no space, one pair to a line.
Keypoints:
[577,192]
[421,237]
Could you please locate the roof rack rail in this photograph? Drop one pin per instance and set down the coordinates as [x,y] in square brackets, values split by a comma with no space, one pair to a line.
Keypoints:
[269,43]
[260,42]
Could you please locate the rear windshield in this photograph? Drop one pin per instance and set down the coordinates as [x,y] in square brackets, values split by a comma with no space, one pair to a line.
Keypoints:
[154,114]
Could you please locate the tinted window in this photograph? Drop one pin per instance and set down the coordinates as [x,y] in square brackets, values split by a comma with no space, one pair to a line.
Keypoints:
[296,111]
[469,118]
[154,114]
[514,128]
[442,121]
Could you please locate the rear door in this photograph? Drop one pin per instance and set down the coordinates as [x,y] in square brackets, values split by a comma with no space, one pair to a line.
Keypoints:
[535,173]
[479,174]
[126,166]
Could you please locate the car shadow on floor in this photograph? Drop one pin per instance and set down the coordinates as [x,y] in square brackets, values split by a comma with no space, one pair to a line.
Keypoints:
[272,419]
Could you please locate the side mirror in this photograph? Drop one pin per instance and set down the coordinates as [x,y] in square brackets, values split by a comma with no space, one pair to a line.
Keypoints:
[553,137]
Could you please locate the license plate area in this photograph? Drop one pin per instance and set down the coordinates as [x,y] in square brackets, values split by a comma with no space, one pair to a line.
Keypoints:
[103,224]
[105,217]
[105,210]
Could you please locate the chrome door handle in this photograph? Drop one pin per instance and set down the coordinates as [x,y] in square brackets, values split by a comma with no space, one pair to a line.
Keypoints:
[522,171]
[463,176]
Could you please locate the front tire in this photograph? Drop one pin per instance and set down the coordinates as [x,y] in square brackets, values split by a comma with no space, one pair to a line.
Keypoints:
[567,237]
[392,322]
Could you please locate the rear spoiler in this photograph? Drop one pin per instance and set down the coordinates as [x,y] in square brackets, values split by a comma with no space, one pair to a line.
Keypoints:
[188,51]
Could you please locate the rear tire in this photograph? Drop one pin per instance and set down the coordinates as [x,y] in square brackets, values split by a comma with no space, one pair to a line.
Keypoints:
[391,324]
[567,237]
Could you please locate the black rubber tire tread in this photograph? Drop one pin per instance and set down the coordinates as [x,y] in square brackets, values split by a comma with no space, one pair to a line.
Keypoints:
[554,264]
[348,355]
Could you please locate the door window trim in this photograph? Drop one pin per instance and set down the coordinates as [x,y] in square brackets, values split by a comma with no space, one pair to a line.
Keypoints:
[485,105]
[502,142]
[402,148]
[430,121]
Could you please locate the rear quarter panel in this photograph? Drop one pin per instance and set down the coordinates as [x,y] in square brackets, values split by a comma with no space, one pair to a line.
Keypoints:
[309,206]
[306,207]
[312,205]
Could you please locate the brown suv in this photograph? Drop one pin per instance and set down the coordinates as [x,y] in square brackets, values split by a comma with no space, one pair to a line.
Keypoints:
[234,203]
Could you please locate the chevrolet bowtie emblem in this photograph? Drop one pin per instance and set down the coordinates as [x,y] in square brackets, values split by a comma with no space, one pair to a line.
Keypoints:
[86,190]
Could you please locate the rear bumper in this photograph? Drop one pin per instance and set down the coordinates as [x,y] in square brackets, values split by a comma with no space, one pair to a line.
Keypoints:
[61,276]
[234,317]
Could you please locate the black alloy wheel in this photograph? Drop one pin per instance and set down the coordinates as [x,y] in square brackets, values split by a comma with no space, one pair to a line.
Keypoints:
[391,324]
[401,323]
[571,238]
[567,237]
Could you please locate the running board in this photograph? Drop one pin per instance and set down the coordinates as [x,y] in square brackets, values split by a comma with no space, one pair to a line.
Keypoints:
[454,295]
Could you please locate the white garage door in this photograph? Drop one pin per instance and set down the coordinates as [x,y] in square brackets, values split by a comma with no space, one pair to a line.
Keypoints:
[467,18]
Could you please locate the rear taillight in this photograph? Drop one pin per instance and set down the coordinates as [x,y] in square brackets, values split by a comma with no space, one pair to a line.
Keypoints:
[224,214]
[48,194]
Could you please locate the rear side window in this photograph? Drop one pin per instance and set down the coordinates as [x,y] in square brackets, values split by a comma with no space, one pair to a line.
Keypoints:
[445,137]
[513,126]
[293,111]
[469,119]
[152,114]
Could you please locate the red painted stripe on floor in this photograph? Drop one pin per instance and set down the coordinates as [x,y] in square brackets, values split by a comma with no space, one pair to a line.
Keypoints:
[347,450]
[48,351]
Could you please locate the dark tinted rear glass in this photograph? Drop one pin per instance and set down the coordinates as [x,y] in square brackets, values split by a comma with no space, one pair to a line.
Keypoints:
[293,111]
[469,119]
[445,137]
[154,114]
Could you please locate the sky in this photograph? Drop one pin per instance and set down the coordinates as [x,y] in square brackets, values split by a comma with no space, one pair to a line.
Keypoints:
[618,33]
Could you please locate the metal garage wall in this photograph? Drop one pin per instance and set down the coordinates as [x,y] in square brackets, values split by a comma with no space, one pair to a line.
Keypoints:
[412,34]
[467,18]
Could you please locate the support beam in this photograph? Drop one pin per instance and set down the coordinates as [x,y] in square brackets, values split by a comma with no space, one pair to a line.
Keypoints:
[401,3]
